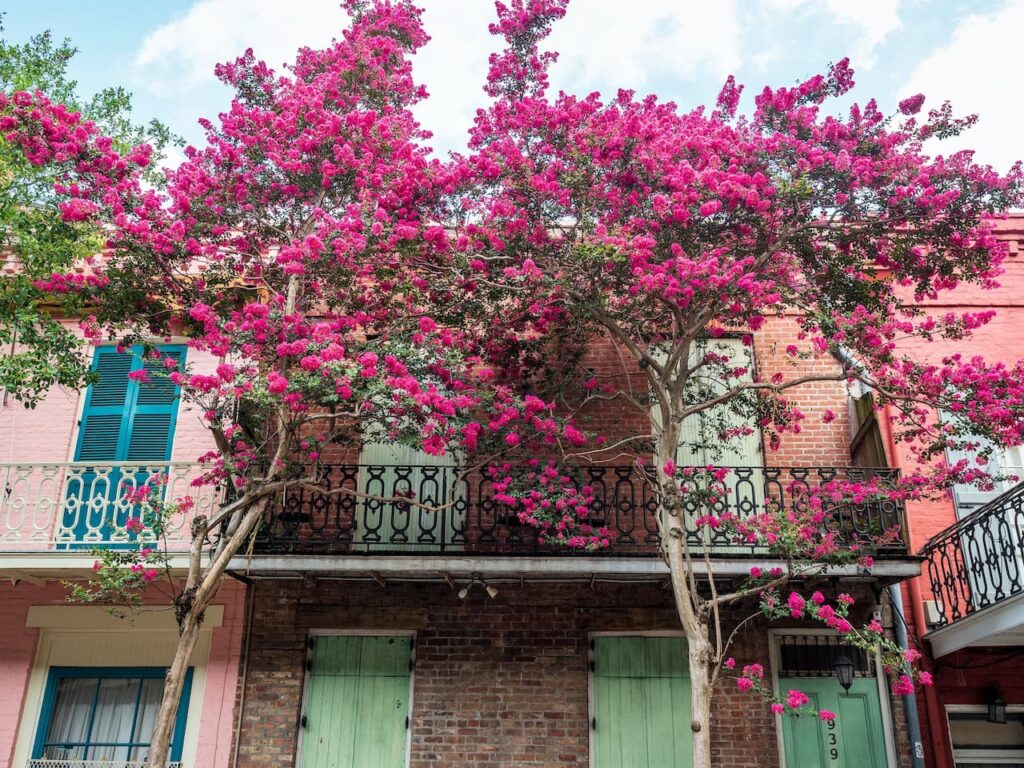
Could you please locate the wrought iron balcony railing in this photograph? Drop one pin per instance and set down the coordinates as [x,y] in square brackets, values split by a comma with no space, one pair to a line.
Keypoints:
[79,505]
[979,561]
[47,763]
[344,517]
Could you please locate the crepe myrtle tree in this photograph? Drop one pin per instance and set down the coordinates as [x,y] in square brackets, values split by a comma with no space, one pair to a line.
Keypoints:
[665,230]
[39,351]
[296,246]
[354,286]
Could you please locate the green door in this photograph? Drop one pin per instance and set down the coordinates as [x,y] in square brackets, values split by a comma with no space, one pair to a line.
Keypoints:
[641,703]
[855,739]
[392,470]
[357,702]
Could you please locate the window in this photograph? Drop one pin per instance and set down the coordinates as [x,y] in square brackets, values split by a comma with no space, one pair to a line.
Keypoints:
[104,713]
[1006,461]
[125,436]
[978,743]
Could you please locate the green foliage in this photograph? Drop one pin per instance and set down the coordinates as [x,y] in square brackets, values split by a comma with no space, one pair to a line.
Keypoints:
[38,351]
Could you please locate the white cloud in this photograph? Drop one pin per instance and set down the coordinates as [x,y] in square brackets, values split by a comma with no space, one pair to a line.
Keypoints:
[601,47]
[874,21]
[604,44]
[181,54]
[969,72]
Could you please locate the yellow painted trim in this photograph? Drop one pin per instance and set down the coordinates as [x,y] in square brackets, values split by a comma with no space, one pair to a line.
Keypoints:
[100,618]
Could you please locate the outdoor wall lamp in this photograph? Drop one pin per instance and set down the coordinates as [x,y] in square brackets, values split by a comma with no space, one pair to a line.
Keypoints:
[844,671]
[996,705]
[491,591]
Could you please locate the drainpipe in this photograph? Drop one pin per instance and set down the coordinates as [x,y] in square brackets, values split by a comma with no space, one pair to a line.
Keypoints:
[941,753]
[910,699]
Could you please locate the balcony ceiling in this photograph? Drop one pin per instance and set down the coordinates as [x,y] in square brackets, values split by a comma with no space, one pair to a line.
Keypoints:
[999,625]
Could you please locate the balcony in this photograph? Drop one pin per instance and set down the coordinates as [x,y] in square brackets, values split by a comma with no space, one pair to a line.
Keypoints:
[76,506]
[975,569]
[45,763]
[52,515]
[344,518]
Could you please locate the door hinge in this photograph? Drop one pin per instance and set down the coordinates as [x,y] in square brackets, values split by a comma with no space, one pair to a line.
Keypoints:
[407,722]
[410,665]
[593,723]
[593,666]
[303,722]
[311,643]
[309,665]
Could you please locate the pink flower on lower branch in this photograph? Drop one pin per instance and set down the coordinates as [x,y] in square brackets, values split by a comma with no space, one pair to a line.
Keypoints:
[796,699]
[744,683]
[826,715]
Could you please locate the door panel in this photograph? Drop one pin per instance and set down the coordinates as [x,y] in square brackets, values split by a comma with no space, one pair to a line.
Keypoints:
[395,470]
[641,703]
[855,739]
[357,702]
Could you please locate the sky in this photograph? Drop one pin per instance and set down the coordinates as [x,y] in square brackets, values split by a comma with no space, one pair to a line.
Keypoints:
[164,51]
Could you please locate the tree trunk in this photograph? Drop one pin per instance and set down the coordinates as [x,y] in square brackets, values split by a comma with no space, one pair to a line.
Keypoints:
[199,591]
[700,701]
[167,715]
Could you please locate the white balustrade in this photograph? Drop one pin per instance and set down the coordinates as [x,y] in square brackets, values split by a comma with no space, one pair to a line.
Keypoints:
[77,505]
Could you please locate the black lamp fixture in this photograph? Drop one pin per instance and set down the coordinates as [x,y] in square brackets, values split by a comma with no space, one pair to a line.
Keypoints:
[996,704]
[844,671]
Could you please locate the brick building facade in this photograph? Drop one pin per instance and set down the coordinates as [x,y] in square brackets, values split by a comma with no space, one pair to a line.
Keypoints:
[361,633]
[964,610]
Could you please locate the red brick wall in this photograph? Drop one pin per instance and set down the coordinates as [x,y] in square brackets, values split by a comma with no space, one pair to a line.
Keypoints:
[500,682]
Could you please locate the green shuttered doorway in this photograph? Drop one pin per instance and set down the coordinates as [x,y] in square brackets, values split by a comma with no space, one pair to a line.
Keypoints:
[641,706]
[855,739]
[357,702]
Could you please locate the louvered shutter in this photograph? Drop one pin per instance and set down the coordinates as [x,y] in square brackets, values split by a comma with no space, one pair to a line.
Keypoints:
[107,407]
[156,406]
[126,421]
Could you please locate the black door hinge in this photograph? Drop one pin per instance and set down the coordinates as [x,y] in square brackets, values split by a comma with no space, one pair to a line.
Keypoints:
[311,642]
[303,722]
[407,722]
[593,666]
[593,723]
[309,665]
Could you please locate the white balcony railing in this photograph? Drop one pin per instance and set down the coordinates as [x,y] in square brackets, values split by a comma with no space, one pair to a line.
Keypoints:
[42,763]
[76,506]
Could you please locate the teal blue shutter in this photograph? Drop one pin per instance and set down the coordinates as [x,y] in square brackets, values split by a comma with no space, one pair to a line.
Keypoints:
[124,420]
[151,432]
[106,406]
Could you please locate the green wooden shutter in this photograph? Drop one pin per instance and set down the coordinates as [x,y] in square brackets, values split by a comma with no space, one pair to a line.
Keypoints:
[151,431]
[122,421]
[357,702]
[855,739]
[641,690]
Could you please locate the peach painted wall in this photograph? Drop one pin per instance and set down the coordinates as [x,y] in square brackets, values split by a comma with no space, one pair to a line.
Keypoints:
[19,643]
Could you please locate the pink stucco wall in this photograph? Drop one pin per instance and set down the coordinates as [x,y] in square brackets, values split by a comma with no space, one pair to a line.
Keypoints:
[18,644]
[47,432]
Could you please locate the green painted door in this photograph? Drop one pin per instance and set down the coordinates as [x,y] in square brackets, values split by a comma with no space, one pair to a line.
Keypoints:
[392,470]
[357,702]
[701,444]
[641,703]
[855,739]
